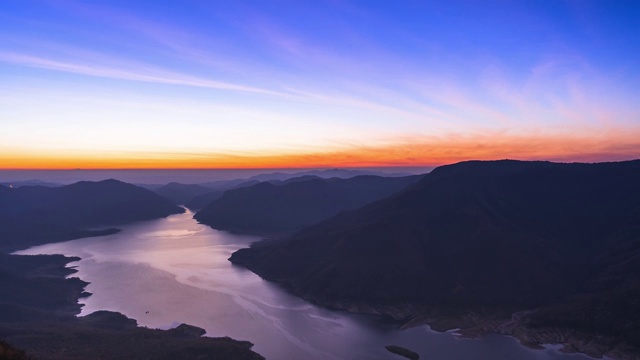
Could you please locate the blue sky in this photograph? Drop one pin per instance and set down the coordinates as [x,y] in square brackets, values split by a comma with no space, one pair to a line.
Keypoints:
[335,83]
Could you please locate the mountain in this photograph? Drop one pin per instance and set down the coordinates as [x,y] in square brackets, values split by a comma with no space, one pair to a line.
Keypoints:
[180,194]
[200,201]
[222,185]
[197,196]
[289,205]
[29,183]
[295,179]
[32,215]
[483,237]
[325,174]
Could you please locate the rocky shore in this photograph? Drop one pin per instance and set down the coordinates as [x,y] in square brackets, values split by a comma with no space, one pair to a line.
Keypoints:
[38,308]
[529,327]
[521,325]
[545,252]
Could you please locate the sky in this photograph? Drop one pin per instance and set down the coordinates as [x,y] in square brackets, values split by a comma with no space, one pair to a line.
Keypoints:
[275,84]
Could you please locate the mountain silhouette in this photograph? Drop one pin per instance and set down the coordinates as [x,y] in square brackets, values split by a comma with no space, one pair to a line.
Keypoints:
[32,215]
[200,201]
[324,174]
[289,205]
[498,235]
[180,194]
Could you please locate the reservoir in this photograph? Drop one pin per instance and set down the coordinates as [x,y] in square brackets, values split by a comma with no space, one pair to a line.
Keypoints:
[173,270]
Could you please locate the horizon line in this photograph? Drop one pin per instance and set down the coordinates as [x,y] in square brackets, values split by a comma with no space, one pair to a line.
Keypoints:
[229,168]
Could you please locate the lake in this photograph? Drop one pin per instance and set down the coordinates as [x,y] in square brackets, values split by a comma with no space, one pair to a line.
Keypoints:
[173,270]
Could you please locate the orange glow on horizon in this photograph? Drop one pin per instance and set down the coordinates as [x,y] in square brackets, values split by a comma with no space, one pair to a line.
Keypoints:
[413,152]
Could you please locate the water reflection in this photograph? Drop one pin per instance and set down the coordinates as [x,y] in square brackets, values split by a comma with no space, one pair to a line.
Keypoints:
[169,271]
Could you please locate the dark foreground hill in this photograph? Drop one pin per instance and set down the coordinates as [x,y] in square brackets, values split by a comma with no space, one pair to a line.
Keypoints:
[287,206]
[37,308]
[32,215]
[473,242]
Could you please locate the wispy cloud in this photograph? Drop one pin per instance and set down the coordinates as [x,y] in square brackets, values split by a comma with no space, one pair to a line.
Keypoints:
[139,74]
[416,151]
[370,82]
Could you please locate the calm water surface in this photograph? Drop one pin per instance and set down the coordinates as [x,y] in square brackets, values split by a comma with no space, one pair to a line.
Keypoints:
[170,271]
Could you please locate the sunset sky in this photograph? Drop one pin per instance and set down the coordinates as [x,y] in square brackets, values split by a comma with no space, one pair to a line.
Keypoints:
[240,84]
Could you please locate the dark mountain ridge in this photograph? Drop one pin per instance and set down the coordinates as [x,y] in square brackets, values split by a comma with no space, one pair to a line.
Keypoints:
[289,205]
[500,235]
[32,215]
[325,174]
[200,201]
[197,196]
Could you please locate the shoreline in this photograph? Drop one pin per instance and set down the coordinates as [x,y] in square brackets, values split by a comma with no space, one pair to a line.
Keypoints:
[469,323]
[574,342]
[40,316]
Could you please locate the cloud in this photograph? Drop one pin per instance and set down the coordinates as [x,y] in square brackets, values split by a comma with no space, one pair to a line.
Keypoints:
[612,145]
[139,74]
[341,74]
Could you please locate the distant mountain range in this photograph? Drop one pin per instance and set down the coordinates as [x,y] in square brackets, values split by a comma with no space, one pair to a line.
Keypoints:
[197,196]
[29,183]
[283,206]
[180,194]
[32,215]
[483,239]
[326,174]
